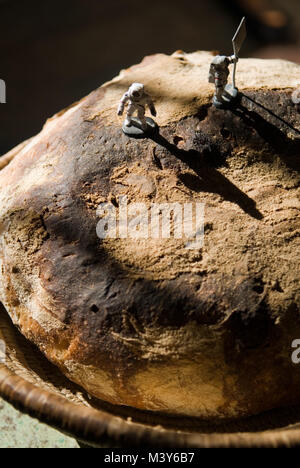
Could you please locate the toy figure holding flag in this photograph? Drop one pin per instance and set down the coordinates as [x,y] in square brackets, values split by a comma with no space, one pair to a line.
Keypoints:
[225,94]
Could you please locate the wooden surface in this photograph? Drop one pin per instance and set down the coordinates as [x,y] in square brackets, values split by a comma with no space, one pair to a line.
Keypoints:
[21,431]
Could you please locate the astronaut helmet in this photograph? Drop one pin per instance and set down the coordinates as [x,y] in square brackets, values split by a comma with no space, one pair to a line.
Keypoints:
[136,90]
[220,61]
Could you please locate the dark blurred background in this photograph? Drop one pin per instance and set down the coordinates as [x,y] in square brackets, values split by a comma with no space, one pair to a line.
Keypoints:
[55,52]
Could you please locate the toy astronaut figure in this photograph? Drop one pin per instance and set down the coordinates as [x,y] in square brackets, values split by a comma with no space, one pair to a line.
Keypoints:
[227,94]
[137,100]
[218,74]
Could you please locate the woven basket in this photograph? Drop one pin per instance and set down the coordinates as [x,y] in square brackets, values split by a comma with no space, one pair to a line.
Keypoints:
[33,385]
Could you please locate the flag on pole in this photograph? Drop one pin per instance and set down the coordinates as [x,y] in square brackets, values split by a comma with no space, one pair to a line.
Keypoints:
[239,37]
[237,42]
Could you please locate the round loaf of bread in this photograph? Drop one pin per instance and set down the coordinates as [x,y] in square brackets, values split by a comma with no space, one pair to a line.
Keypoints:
[159,322]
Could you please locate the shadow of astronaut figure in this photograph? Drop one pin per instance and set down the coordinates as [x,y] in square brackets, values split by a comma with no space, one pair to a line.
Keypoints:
[218,75]
[137,100]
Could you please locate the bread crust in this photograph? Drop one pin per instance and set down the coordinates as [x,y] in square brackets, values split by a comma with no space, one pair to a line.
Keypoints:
[148,323]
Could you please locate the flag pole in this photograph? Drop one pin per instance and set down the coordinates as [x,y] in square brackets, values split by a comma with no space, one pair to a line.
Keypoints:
[237,43]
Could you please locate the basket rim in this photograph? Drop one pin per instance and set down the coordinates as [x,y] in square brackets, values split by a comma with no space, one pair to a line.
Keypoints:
[96,427]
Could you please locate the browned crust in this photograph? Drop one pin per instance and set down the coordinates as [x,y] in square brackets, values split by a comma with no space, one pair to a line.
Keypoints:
[144,315]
